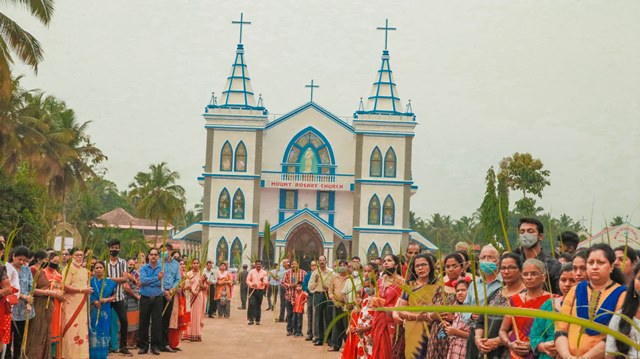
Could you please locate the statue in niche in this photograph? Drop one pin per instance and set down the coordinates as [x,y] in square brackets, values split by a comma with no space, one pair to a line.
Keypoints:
[308,161]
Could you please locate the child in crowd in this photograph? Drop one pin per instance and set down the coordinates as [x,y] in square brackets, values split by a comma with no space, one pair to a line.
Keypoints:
[458,331]
[298,309]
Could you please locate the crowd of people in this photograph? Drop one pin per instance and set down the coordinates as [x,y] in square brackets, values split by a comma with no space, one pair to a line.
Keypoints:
[72,305]
[343,303]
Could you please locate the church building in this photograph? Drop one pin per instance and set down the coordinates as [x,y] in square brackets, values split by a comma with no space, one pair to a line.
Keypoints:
[325,186]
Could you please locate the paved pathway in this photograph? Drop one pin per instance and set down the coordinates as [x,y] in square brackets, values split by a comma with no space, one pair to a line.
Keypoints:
[233,339]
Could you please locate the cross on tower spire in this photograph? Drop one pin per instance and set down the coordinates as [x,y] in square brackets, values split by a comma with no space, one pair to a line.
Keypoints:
[241,22]
[386,29]
[312,86]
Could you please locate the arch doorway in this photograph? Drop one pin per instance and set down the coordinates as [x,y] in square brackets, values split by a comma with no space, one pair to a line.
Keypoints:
[304,243]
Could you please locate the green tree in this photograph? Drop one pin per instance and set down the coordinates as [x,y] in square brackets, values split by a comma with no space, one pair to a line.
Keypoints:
[156,195]
[525,174]
[489,209]
[616,221]
[438,229]
[15,40]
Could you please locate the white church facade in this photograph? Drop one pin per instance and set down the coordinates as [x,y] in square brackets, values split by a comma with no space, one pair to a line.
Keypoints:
[325,185]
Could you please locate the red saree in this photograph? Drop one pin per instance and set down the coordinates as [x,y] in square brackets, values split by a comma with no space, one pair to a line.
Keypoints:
[524,324]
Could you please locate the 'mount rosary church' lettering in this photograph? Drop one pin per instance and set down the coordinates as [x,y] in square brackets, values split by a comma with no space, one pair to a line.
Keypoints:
[326,186]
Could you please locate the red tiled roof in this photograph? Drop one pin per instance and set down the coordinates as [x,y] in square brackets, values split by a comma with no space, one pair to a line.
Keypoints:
[122,219]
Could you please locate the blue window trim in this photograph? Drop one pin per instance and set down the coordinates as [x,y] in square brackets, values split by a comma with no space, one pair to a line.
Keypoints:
[395,163]
[385,249]
[230,203]
[393,216]
[377,251]
[226,257]
[369,211]
[233,200]
[231,260]
[226,143]
[371,162]
[246,157]
[283,203]
[301,133]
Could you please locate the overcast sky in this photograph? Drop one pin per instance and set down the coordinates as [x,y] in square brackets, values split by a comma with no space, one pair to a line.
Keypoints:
[559,79]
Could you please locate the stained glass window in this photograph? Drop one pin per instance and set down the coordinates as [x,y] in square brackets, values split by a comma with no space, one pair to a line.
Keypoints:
[323,201]
[223,204]
[222,251]
[241,158]
[376,163]
[372,253]
[290,200]
[226,158]
[390,163]
[374,210]
[238,205]
[388,212]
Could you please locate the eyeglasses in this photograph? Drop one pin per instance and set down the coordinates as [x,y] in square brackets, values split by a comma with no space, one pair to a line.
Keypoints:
[508,268]
[153,254]
[487,257]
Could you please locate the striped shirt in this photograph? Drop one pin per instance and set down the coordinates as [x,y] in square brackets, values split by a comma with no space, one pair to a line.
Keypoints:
[117,270]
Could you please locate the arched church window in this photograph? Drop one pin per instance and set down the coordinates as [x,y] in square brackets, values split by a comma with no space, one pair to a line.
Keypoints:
[222,251]
[223,204]
[236,253]
[308,152]
[226,157]
[372,252]
[238,205]
[390,163]
[375,166]
[386,250]
[341,251]
[241,158]
[388,212]
[374,210]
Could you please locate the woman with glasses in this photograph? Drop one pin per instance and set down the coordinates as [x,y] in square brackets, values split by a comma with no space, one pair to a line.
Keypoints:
[422,284]
[543,331]
[515,330]
[444,295]
[75,333]
[489,343]
[593,299]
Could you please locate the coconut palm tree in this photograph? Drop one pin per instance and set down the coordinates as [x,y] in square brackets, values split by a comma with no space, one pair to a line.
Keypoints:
[14,39]
[156,195]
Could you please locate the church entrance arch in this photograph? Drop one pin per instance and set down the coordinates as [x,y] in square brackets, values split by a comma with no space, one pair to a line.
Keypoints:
[304,243]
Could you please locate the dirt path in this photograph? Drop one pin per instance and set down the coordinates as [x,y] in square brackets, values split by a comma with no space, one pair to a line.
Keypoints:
[232,338]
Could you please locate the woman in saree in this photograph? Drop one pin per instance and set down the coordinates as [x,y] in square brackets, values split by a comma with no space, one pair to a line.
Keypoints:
[100,321]
[222,294]
[515,330]
[543,330]
[601,294]
[389,290]
[75,326]
[178,322]
[421,287]
[454,267]
[5,309]
[197,289]
[132,300]
[489,343]
[46,301]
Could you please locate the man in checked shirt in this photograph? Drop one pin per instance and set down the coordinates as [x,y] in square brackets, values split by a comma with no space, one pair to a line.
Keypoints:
[292,277]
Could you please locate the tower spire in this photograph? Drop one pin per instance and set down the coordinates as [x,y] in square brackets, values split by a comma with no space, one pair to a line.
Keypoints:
[384,97]
[238,92]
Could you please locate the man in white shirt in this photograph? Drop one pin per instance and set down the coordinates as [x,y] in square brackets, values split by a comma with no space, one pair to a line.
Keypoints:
[210,273]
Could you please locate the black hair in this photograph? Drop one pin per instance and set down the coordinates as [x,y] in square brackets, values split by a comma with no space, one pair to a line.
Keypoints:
[629,308]
[21,251]
[567,267]
[168,246]
[568,237]
[154,249]
[101,263]
[174,253]
[342,262]
[455,255]
[40,255]
[114,242]
[396,260]
[355,257]
[631,253]
[616,273]
[53,255]
[538,224]
[513,256]
[432,268]
[258,261]
[374,267]
[567,256]
[582,253]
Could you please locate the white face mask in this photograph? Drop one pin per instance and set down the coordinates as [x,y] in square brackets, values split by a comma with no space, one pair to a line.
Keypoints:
[528,240]
[355,273]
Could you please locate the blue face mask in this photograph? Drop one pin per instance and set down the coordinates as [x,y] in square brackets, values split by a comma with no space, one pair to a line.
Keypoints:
[488,267]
